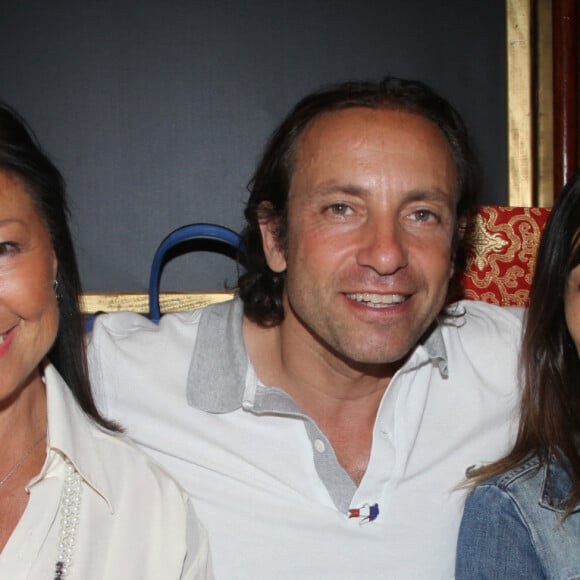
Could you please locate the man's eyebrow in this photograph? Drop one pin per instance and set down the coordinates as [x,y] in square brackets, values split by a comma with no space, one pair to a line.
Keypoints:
[9,221]
[334,187]
[426,194]
[435,194]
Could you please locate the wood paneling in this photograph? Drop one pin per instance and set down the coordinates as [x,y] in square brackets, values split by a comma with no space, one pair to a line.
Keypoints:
[565,67]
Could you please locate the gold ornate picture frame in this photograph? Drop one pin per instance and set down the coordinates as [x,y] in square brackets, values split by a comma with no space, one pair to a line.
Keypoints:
[543,78]
[529,102]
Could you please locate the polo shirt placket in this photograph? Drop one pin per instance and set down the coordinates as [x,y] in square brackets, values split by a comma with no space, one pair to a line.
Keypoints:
[240,388]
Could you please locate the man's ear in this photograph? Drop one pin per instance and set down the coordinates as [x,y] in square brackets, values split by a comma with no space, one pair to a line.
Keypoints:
[461,226]
[275,256]
[459,239]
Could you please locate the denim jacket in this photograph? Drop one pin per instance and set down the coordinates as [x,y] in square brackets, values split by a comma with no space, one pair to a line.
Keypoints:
[512,527]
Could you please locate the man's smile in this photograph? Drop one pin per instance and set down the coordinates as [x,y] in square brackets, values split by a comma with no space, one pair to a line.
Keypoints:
[377,300]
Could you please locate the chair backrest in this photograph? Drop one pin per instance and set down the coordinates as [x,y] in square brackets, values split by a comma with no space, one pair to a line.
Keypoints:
[503,242]
[501,256]
[177,237]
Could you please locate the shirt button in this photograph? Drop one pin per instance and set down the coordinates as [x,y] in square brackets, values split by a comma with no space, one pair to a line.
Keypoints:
[319,445]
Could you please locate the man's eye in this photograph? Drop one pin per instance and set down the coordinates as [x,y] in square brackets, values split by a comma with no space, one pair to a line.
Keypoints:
[8,248]
[340,209]
[423,215]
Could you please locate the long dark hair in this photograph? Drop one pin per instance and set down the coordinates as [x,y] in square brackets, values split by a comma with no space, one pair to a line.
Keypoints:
[22,156]
[550,365]
[260,288]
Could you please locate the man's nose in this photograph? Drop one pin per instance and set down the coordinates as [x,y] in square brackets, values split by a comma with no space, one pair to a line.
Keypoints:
[382,247]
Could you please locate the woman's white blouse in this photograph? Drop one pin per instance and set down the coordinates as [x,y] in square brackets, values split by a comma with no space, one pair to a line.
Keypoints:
[134,521]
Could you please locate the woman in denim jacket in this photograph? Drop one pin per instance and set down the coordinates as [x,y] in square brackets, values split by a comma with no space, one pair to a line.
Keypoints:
[523,518]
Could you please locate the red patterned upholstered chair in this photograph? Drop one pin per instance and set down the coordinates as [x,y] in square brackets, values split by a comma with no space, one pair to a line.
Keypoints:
[501,256]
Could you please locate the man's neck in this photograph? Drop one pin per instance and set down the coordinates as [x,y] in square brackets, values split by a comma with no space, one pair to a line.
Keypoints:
[341,398]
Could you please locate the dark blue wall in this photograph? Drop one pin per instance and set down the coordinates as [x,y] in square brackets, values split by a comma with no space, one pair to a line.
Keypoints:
[156,111]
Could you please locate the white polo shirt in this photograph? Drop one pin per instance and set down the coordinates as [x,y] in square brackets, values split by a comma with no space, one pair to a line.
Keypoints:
[265,479]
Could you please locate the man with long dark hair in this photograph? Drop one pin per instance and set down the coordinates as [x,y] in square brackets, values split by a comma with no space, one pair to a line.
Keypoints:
[323,418]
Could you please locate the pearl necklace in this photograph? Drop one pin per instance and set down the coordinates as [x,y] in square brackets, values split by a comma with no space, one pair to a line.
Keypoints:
[69,520]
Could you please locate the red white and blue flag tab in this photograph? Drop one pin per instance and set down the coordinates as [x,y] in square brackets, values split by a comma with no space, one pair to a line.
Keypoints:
[366,513]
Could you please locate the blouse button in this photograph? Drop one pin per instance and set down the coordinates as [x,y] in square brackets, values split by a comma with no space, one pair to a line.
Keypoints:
[319,445]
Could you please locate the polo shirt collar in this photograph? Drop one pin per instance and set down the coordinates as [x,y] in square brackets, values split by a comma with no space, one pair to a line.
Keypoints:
[71,434]
[217,374]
